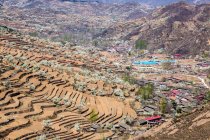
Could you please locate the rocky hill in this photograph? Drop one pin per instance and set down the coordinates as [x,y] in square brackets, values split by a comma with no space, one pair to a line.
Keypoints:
[178,28]
[78,21]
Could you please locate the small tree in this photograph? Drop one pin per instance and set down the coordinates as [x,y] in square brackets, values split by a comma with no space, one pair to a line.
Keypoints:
[33,34]
[41,137]
[140,45]
[32,87]
[208,96]
[46,123]
[146,91]
[77,126]
[163,105]
[174,104]
[179,110]
[208,73]
[7,84]
[129,79]
[95,43]
[56,138]
[129,120]
[93,116]
[118,92]
[56,100]
[101,92]
[42,73]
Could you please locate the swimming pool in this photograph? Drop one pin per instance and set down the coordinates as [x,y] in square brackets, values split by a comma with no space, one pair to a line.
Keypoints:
[152,62]
[145,63]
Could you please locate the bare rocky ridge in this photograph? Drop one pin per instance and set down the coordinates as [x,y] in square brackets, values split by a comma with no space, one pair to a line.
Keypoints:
[178,28]
[182,28]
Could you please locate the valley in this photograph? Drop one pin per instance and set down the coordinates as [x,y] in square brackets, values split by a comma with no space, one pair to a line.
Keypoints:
[104,71]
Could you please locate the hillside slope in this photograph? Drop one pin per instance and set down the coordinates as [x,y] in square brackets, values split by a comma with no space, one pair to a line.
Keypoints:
[195,126]
[55,19]
[178,28]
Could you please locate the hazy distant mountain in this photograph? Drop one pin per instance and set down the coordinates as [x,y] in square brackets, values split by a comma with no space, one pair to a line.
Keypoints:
[149,2]
[166,2]
[145,2]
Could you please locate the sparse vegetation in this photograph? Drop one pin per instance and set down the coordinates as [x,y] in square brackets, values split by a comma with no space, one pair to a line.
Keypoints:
[179,110]
[41,137]
[208,95]
[163,105]
[146,91]
[141,45]
[46,123]
[167,65]
[174,105]
[32,87]
[93,116]
[33,34]
[129,79]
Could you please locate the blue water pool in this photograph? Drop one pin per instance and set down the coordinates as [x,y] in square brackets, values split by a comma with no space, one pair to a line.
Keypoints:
[146,63]
[152,62]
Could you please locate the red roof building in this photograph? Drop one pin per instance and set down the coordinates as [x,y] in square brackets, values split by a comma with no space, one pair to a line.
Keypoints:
[177,55]
[153,118]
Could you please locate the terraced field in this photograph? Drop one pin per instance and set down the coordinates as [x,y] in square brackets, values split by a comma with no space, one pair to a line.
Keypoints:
[41,96]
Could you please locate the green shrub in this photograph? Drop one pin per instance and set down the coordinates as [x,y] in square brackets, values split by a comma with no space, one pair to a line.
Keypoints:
[163,105]
[141,45]
[93,116]
[33,34]
[174,104]
[179,110]
[146,91]
[129,79]
[208,96]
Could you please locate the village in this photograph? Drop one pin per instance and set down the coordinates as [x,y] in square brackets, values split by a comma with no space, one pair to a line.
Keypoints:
[74,92]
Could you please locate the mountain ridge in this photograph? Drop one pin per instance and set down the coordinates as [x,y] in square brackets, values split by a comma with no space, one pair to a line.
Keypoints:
[177,28]
[149,2]
[152,3]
